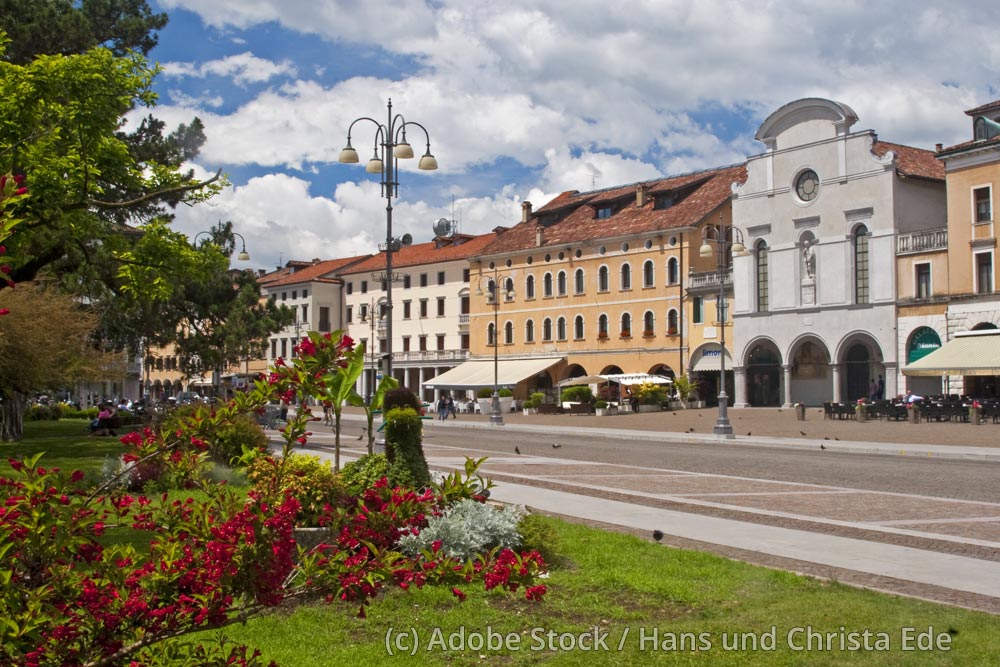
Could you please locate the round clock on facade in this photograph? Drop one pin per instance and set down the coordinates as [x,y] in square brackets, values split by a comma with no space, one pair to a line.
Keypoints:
[807,185]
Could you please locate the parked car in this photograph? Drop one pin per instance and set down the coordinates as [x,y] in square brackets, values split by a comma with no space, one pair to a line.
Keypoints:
[187,398]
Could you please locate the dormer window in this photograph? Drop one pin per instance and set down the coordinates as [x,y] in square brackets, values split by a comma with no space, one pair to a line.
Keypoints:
[604,212]
[664,201]
[985,128]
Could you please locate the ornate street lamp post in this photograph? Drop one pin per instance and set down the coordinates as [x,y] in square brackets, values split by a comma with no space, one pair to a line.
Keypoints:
[726,245]
[390,146]
[244,256]
[493,294]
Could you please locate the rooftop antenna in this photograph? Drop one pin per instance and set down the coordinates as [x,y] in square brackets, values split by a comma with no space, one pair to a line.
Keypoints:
[280,256]
[454,220]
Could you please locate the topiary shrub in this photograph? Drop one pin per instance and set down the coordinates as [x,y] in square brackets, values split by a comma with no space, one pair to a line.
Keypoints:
[403,449]
[467,528]
[484,392]
[504,393]
[363,473]
[401,397]
[600,404]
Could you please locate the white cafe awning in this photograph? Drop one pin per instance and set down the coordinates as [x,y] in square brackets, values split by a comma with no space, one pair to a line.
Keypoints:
[968,353]
[710,360]
[479,373]
[629,379]
[586,379]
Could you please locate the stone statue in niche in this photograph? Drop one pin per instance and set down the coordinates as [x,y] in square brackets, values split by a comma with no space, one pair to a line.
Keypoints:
[809,260]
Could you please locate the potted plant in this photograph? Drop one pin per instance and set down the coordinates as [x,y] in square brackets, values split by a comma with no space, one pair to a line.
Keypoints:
[506,398]
[626,333]
[860,411]
[600,408]
[577,394]
[648,333]
[529,407]
[484,396]
[650,396]
[684,388]
[602,335]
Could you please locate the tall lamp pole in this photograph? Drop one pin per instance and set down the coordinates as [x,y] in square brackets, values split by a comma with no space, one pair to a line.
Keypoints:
[390,146]
[493,298]
[370,316]
[726,245]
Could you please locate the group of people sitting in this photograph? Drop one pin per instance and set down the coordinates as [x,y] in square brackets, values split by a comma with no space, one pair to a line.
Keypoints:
[105,421]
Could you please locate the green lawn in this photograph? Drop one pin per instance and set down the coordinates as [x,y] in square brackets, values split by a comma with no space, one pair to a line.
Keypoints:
[67,444]
[641,598]
[642,603]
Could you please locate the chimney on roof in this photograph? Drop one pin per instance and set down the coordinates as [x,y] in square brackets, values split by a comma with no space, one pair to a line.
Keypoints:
[938,147]
[525,211]
[641,195]
[539,237]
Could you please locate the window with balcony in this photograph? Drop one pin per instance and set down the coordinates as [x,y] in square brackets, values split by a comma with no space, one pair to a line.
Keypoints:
[406,343]
[423,343]
[440,342]
[922,281]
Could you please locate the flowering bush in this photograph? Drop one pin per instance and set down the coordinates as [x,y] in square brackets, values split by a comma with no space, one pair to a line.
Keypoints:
[649,393]
[75,591]
[311,481]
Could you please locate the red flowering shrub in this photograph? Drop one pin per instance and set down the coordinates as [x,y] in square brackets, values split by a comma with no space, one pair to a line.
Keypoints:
[71,594]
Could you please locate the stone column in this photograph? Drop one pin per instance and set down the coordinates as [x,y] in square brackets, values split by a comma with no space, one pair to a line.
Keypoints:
[786,376]
[837,386]
[739,387]
[891,378]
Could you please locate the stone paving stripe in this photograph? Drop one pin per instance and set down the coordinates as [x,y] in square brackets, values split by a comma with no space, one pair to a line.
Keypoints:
[910,522]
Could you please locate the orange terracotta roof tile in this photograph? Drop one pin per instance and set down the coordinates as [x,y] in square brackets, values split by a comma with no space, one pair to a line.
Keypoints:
[314,272]
[912,162]
[701,194]
[966,145]
[440,250]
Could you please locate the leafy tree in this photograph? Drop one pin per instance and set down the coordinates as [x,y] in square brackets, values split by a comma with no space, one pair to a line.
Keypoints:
[45,343]
[63,27]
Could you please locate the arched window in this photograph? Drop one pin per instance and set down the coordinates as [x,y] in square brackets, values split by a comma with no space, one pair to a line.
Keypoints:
[672,322]
[603,283]
[529,287]
[490,335]
[626,282]
[508,294]
[648,323]
[578,286]
[861,264]
[529,331]
[561,328]
[491,291]
[602,326]
[760,250]
[561,283]
[626,324]
[673,275]
[546,329]
[578,327]
[547,285]
[647,273]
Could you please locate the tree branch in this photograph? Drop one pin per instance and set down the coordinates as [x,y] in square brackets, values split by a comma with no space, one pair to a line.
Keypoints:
[154,195]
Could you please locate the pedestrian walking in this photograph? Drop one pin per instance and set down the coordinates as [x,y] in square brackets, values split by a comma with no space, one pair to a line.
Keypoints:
[451,408]
[442,406]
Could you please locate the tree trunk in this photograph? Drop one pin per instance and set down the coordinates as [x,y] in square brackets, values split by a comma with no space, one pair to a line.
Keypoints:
[11,416]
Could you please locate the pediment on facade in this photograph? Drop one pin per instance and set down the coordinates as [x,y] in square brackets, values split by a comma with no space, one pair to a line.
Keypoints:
[814,111]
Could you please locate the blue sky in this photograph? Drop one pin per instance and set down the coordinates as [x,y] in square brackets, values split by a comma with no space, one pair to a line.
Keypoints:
[526,99]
